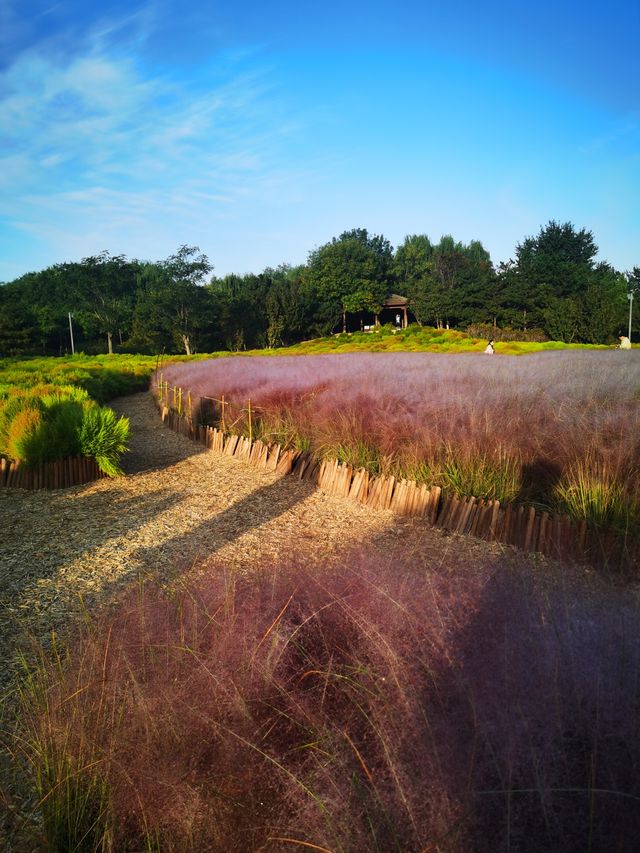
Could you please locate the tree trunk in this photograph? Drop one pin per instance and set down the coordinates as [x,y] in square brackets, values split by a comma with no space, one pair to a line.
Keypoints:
[344,322]
[187,344]
[110,342]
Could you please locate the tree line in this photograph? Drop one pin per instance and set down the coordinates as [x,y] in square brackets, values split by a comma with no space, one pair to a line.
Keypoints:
[554,286]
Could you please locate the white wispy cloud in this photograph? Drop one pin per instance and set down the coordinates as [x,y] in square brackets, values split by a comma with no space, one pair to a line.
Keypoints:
[101,142]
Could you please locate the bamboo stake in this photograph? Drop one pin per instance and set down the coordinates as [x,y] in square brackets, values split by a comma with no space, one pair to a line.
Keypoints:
[434,503]
[542,542]
[519,532]
[465,515]
[445,511]
[374,493]
[273,457]
[494,519]
[477,514]
[483,522]
[354,491]
[528,537]
[388,491]
[250,424]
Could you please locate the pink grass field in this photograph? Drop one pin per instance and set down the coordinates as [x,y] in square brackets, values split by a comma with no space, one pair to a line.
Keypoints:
[545,411]
[373,707]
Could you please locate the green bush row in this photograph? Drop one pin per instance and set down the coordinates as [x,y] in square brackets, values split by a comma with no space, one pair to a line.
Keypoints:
[48,423]
[102,377]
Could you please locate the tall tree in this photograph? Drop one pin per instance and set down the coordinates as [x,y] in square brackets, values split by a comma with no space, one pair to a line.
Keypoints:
[413,273]
[186,271]
[448,282]
[104,285]
[557,284]
[351,273]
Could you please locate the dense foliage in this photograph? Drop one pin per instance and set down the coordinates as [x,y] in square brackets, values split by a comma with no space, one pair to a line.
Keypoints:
[47,423]
[103,378]
[554,284]
[50,408]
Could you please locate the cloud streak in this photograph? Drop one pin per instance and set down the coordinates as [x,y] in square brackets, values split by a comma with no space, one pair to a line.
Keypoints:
[102,138]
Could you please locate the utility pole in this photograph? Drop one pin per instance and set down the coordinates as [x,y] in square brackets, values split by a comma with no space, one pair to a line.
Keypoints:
[73,351]
[630,298]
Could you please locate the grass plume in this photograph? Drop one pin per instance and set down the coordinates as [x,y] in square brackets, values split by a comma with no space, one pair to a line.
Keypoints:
[369,708]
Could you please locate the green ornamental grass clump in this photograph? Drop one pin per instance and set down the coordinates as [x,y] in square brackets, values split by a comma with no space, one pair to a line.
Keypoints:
[104,436]
[591,490]
[48,423]
[492,476]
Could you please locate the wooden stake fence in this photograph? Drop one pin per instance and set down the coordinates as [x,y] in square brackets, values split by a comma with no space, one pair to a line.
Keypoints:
[61,474]
[520,526]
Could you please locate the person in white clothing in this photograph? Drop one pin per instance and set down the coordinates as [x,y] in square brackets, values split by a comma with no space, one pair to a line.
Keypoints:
[625,343]
[489,349]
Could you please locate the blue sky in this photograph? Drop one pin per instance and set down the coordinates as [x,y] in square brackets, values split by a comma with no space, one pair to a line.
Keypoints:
[260,130]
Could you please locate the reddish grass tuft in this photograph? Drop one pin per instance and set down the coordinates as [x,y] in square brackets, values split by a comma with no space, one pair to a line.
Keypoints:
[372,708]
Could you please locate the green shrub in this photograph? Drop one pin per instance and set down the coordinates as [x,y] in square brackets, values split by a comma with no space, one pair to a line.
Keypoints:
[104,437]
[23,433]
[590,490]
[496,476]
[358,454]
[57,422]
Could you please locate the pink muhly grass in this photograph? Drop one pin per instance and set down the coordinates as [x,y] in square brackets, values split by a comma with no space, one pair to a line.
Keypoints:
[371,708]
[544,411]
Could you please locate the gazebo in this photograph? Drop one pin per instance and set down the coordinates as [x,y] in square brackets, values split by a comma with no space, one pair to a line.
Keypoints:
[396,306]
[395,310]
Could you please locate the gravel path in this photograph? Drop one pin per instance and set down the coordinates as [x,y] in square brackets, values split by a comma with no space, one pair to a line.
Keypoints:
[178,506]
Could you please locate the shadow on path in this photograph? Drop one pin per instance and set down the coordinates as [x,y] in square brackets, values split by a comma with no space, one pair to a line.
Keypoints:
[152,445]
[42,536]
[261,506]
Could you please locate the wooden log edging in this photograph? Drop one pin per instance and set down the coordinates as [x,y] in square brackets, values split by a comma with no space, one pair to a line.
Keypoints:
[61,474]
[518,525]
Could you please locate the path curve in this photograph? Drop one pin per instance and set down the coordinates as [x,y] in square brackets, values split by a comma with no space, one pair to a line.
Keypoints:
[178,506]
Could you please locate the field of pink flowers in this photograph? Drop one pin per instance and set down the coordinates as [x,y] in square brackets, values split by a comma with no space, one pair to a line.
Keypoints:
[559,429]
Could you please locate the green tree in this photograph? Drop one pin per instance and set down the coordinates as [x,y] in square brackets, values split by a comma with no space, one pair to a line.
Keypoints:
[559,256]
[633,289]
[447,283]
[555,282]
[172,307]
[413,273]
[17,327]
[104,286]
[351,273]
[288,305]
[604,303]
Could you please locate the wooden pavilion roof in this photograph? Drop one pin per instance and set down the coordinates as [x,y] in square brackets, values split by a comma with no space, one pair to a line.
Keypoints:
[395,301]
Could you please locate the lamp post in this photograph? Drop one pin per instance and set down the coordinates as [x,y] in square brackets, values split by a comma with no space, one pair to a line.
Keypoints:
[630,298]
[73,352]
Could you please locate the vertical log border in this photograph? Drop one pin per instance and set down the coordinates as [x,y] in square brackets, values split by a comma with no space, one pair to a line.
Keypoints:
[62,474]
[520,526]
